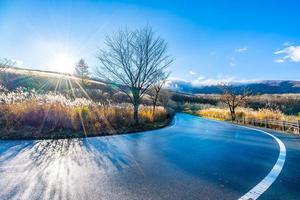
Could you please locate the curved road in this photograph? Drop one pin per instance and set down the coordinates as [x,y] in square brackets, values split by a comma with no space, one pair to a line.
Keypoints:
[193,159]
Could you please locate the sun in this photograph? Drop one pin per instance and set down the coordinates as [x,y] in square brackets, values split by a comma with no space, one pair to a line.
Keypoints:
[62,62]
[57,55]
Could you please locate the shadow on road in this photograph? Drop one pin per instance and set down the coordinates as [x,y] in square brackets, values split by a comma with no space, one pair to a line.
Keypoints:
[57,168]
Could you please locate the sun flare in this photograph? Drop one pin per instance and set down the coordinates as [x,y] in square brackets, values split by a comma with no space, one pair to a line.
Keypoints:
[62,62]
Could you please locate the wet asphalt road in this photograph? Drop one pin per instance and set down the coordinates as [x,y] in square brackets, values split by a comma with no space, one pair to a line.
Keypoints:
[193,159]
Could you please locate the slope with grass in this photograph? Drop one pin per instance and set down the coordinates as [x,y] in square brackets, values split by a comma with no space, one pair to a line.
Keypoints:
[38,104]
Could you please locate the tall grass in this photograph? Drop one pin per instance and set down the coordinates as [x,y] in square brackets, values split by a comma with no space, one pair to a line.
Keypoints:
[268,118]
[247,113]
[51,112]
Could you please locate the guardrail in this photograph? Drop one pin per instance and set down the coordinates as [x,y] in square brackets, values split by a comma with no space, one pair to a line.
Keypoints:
[285,126]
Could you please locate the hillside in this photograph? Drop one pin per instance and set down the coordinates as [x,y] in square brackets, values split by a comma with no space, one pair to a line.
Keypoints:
[67,84]
[16,77]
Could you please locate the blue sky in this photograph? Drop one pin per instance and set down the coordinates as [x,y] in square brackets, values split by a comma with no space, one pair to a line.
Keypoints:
[210,40]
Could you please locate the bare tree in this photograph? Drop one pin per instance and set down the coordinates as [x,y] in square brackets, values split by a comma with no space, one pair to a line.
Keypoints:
[233,99]
[164,97]
[5,63]
[82,70]
[156,88]
[133,61]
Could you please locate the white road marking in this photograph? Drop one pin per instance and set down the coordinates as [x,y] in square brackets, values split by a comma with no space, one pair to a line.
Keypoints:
[263,185]
[174,123]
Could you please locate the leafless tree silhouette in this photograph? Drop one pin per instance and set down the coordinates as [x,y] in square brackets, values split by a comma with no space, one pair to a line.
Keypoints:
[82,70]
[156,89]
[233,99]
[133,61]
[5,63]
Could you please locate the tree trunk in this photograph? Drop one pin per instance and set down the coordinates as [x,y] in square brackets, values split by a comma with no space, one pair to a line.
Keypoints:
[232,113]
[154,104]
[136,112]
[136,103]
[233,116]
[154,107]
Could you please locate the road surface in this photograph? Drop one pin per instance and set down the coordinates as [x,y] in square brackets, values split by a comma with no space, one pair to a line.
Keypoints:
[194,158]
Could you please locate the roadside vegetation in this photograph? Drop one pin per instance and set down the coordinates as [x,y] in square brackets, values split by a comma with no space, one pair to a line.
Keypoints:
[288,104]
[27,114]
[246,113]
[235,108]
[244,108]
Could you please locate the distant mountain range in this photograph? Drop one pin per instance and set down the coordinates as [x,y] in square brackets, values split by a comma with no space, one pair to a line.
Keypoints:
[260,87]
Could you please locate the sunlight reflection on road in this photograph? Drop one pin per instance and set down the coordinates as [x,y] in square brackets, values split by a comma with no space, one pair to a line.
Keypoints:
[59,169]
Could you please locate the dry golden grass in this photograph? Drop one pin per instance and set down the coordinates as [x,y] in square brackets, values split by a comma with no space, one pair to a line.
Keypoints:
[90,118]
[215,113]
[247,113]
[267,118]
[52,112]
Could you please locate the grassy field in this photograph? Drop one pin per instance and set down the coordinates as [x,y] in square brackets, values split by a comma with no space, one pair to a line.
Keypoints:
[25,113]
[247,113]
[263,117]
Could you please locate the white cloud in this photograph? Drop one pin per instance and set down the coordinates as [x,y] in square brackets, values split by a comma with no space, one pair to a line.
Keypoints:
[221,79]
[240,50]
[292,54]
[174,78]
[200,78]
[192,73]
[286,44]
[279,60]
[232,64]
[210,81]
